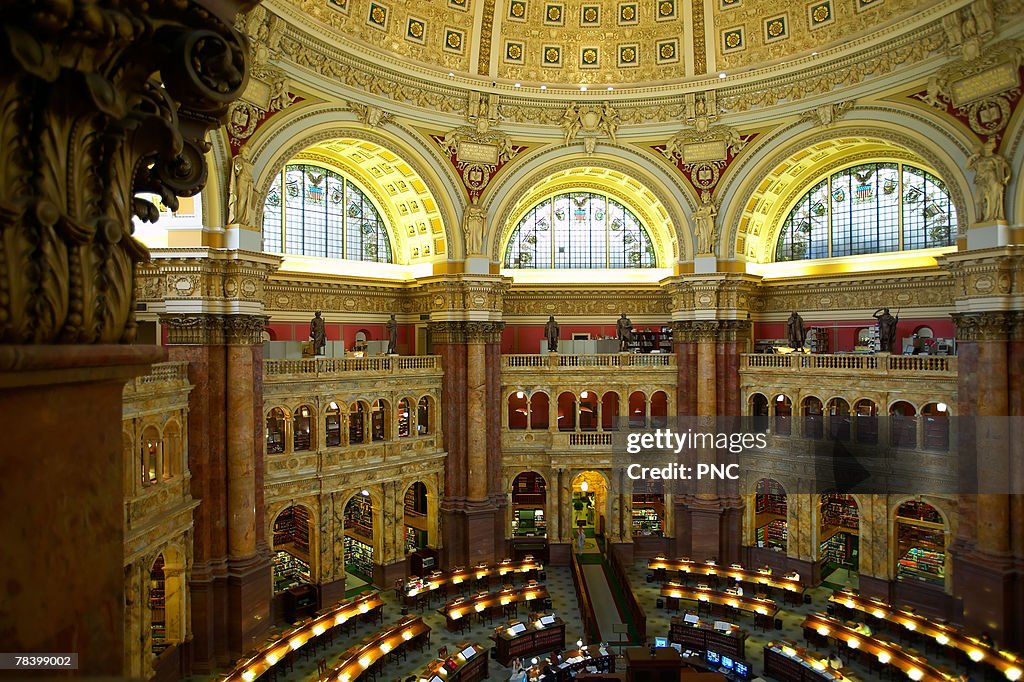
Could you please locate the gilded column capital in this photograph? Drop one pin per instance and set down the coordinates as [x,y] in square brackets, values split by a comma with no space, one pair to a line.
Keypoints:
[451,332]
[244,330]
[86,129]
[986,326]
[731,330]
[194,329]
[705,330]
[484,332]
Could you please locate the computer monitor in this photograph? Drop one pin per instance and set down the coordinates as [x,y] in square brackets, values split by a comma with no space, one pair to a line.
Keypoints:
[436,678]
[727,663]
[661,641]
[468,652]
[713,657]
[742,670]
[691,618]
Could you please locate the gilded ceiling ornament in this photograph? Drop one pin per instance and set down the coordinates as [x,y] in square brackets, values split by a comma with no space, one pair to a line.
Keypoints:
[369,115]
[825,115]
[591,120]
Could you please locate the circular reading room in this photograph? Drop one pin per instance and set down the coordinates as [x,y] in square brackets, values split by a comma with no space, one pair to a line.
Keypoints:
[518,340]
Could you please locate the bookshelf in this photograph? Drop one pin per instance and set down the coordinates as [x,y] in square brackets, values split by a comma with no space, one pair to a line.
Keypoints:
[403,419]
[920,543]
[416,499]
[922,564]
[289,571]
[415,539]
[291,530]
[275,434]
[774,535]
[839,550]
[918,511]
[333,423]
[358,557]
[529,523]
[157,606]
[529,488]
[359,516]
[817,339]
[770,498]
[651,341]
[648,514]
[839,511]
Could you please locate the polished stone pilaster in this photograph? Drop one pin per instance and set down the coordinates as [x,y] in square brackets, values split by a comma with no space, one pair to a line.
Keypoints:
[476,419]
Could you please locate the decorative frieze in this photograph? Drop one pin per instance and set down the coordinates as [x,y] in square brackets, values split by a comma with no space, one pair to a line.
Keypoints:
[988,326]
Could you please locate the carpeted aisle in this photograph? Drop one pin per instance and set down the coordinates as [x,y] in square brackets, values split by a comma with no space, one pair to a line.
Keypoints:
[601,597]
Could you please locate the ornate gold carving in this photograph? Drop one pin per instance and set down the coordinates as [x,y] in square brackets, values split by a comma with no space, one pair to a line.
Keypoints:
[842,294]
[370,115]
[84,130]
[194,330]
[990,326]
[588,302]
[591,120]
[484,332]
[991,175]
[825,115]
[244,330]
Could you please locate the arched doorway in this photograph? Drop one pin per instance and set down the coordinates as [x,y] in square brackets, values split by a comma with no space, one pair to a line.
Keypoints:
[359,539]
[589,496]
[518,412]
[771,520]
[529,500]
[293,529]
[166,600]
[920,532]
[648,509]
[417,530]
[839,539]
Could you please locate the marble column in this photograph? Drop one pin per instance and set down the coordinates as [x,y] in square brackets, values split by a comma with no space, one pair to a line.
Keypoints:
[476,420]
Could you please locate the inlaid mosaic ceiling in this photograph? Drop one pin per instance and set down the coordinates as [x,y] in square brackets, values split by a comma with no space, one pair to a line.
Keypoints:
[603,41]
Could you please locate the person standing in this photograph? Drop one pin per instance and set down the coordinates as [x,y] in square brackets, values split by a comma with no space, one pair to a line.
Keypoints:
[581,540]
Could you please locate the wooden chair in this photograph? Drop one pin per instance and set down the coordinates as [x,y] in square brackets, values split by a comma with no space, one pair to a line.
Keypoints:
[321,669]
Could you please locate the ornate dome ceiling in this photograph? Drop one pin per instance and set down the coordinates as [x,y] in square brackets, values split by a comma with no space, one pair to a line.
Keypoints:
[617,43]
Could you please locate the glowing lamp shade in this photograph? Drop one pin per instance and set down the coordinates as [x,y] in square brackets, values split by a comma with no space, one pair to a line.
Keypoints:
[702,597]
[480,607]
[910,625]
[533,661]
[385,647]
[915,674]
[579,645]
[520,395]
[853,643]
[271,658]
[818,665]
[850,604]
[942,407]
[884,657]
[340,619]
[407,635]
[976,655]
[456,615]
[248,676]
[363,608]
[295,644]
[319,629]
[878,613]
[822,630]
[942,639]
[366,661]
[584,486]
[1013,674]
[584,395]
[762,610]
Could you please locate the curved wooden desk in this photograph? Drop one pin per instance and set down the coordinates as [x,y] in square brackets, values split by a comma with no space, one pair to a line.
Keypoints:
[753,577]
[274,651]
[1007,663]
[435,581]
[458,608]
[915,666]
[361,657]
[764,610]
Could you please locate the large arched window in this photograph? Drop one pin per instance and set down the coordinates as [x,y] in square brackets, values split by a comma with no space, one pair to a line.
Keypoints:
[870,208]
[580,230]
[313,211]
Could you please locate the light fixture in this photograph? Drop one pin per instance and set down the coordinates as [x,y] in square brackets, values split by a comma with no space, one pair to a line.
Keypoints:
[814,54]
[915,674]
[942,407]
[722,74]
[365,493]
[520,395]
[583,88]
[610,88]
[822,630]
[884,657]
[579,643]
[976,655]
[853,643]
[295,644]
[271,658]
[543,87]
[780,399]
[365,661]
[249,675]
[878,613]
[584,486]
[333,406]
[451,74]
[518,85]
[910,625]
[1013,674]
[584,394]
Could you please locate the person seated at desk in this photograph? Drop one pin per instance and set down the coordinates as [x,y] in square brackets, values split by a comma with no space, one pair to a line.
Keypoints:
[834,661]
[518,671]
[736,591]
[864,629]
[792,575]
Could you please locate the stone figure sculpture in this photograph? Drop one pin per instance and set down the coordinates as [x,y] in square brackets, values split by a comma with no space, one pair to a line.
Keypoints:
[991,175]
[795,330]
[704,226]
[624,330]
[392,335]
[318,334]
[551,334]
[241,189]
[886,329]
[473,227]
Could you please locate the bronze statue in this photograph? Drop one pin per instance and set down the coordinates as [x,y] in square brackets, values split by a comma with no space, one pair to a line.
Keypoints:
[318,334]
[796,332]
[624,330]
[551,334]
[886,329]
[392,335]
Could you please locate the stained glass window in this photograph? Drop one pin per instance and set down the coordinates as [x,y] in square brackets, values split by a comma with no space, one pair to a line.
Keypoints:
[869,208]
[580,230]
[313,211]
